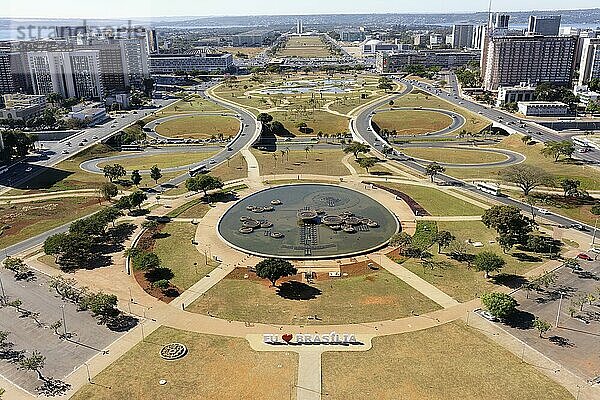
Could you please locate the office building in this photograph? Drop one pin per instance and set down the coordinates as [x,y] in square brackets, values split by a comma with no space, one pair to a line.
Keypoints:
[515,94]
[13,76]
[435,39]
[543,109]
[512,60]
[589,67]
[479,32]
[499,21]
[151,41]
[299,27]
[421,40]
[22,107]
[171,63]
[70,74]
[374,46]
[92,113]
[257,37]
[547,25]
[352,35]
[397,61]
[462,36]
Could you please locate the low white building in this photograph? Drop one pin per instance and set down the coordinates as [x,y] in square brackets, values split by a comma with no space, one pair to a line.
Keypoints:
[585,95]
[515,94]
[93,113]
[543,108]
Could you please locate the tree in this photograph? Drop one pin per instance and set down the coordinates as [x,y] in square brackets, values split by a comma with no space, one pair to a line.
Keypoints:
[203,183]
[55,244]
[307,150]
[264,118]
[136,177]
[570,187]
[487,262]
[155,173]
[367,162]
[101,304]
[137,198]
[146,261]
[556,149]
[526,177]
[526,139]
[401,239]
[433,169]
[356,148]
[274,269]
[500,305]
[541,325]
[34,363]
[108,190]
[443,239]
[512,227]
[594,84]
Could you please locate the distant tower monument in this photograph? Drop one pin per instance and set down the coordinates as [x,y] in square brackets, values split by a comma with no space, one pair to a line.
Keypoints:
[299,27]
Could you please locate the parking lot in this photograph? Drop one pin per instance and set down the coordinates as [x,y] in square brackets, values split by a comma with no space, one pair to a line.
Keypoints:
[575,343]
[62,356]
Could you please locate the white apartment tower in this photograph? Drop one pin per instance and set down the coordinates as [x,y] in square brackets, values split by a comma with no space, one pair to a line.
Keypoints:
[299,27]
[590,61]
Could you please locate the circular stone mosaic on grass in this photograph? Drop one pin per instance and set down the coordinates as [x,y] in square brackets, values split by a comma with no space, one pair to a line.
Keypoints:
[312,221]
[173,351]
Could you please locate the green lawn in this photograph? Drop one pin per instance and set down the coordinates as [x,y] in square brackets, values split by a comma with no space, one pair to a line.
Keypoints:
[363,296]
[22,221]
[588,175]
[176,252]
[451,361]
[435,201]
[192,209]
[318,162]
[215,367]
[412,122]
[454,156]
[199,127]
[456,279]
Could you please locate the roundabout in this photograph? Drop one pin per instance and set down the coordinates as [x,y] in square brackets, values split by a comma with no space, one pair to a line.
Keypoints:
[307,221]
[430,122]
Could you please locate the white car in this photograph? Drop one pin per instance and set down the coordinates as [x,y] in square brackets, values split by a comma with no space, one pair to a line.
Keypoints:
[28,169]
[543,211]
[487,315]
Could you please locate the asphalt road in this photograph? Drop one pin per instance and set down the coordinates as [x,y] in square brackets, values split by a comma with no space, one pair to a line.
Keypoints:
[362,129]
[55,152]
[249,125]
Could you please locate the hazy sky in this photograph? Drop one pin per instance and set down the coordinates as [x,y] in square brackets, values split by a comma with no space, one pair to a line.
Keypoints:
[159,8]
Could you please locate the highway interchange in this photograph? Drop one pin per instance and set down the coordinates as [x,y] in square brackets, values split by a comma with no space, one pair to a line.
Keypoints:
[360,126]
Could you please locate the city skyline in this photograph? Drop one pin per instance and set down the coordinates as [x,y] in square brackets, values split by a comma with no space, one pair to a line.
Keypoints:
[157,9]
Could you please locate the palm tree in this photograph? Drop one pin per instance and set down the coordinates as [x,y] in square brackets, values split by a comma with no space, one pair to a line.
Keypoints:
[307,150]
[287,150]
[275,158]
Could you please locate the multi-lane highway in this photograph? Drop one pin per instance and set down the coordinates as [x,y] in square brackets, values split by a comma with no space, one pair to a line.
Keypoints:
[249,132]
[363,131]
[55,152]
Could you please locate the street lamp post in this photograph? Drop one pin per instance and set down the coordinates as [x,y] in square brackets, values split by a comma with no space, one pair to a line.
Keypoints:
[559,306]
[87,367]
[3,294]
[64,321]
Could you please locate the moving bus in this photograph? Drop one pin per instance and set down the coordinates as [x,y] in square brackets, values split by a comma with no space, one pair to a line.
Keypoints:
[488,188]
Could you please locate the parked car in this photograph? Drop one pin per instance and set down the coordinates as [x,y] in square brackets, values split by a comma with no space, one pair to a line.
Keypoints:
[543,211]
[578,227]
[486,314]
[584,256]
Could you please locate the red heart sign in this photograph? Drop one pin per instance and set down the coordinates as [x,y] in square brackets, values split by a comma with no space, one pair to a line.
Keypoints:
[287,337]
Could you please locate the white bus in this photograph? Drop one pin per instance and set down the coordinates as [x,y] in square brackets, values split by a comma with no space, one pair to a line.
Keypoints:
[581,142]
[488,188]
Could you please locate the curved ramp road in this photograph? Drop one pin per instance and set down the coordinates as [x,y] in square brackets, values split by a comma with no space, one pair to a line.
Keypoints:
[457,120]
[150,127]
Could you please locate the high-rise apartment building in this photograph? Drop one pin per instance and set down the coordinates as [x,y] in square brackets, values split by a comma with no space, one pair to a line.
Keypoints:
[151,41]
[512,60]
[70,74]
[462,36]
[479,32]
[589,67]
[547,25]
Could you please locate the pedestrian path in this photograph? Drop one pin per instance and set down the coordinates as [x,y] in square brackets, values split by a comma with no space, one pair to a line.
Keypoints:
[422,286]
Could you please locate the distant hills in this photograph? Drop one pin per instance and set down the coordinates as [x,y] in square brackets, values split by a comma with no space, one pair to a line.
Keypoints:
[587,17]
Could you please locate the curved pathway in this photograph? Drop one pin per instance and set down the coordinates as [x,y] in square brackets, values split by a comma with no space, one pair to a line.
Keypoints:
[92,165]
[150,127]
[512,157]
[458,120]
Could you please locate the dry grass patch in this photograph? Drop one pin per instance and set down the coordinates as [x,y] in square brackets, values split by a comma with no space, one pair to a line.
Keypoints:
[199,127]
[316,162]
[216,367]
[451,361]
[412,122]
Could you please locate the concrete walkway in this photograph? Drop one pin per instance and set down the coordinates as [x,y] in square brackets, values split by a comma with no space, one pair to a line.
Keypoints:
[309,376]
[422,286]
